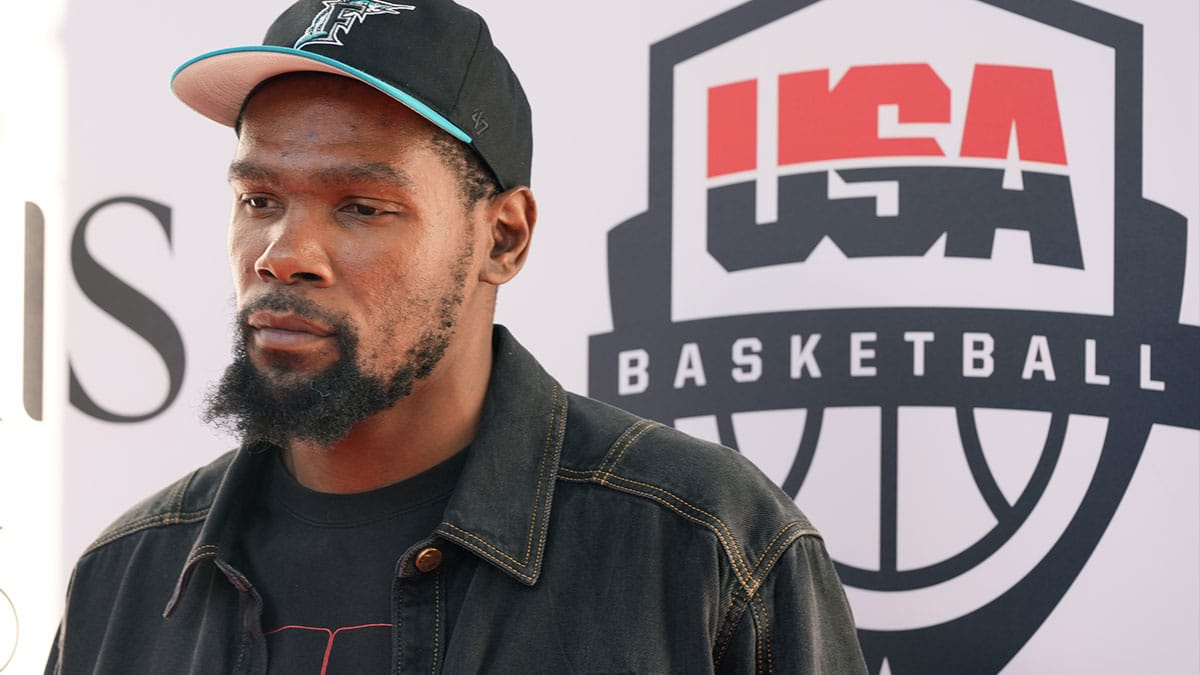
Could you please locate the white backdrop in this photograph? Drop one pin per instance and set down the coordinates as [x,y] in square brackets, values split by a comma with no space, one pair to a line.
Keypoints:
[88,117]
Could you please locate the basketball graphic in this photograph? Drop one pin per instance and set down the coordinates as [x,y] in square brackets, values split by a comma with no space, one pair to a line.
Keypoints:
[913,277]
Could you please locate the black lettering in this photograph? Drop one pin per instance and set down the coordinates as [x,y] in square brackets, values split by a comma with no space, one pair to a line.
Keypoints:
[131,308]
[967,205]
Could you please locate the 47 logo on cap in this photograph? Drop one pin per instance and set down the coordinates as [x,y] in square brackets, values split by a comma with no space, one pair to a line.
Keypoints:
[339,16]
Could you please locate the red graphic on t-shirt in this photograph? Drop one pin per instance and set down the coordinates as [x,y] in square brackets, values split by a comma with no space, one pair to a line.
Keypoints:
[332,635]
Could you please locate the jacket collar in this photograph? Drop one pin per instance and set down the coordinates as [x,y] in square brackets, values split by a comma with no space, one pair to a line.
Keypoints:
[218,535]
[501,507]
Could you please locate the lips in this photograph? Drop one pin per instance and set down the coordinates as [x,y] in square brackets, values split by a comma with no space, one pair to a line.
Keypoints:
[288,322]
[286,332]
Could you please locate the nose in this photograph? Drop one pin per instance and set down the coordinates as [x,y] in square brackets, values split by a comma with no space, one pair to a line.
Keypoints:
[295,254]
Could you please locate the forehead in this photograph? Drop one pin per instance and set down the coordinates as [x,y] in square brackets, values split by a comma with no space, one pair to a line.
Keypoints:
[306,107]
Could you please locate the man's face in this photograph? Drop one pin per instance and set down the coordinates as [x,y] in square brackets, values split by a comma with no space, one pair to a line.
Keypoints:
[352,253]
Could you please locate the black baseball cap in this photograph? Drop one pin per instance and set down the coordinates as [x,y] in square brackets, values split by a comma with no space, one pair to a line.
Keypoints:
[434,56]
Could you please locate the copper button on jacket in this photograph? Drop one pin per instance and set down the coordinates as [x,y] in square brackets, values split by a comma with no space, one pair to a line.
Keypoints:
[429,559]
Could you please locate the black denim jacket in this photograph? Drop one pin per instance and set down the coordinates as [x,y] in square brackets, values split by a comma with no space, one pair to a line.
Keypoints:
[599,543]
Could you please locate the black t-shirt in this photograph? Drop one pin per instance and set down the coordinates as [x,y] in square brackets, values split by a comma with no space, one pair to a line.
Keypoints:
[324,565]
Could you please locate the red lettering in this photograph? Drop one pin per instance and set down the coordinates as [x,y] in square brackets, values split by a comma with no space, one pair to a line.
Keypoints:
[732,128]
[1007,97]
[817,123]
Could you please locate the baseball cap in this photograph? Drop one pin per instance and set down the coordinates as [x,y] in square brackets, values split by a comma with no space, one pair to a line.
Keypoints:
[434,56]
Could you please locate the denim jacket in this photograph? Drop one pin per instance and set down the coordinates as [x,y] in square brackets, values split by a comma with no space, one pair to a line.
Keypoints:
[599,543]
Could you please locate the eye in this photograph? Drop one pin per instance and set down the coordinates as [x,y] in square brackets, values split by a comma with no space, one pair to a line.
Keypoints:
[370,209]
[365,210]
[258,202]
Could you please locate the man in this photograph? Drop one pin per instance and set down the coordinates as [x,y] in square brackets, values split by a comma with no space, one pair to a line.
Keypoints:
[414,493]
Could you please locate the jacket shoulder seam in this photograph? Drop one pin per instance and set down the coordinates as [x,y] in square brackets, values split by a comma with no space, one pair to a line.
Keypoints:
[171,512]
[166,518]
[738,602]
[749,575]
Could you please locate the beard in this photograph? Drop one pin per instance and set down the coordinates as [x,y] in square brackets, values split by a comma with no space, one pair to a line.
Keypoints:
[323,407]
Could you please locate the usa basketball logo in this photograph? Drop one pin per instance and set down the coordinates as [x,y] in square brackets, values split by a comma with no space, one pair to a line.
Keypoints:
[898,254]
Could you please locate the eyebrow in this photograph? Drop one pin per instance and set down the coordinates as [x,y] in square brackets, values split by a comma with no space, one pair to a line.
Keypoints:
[241,169]
[370,172]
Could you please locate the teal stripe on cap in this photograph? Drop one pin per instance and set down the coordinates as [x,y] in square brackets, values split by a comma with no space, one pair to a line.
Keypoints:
[391,90]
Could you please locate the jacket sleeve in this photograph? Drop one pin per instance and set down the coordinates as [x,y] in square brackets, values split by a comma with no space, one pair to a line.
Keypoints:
[798,622]
[52,660]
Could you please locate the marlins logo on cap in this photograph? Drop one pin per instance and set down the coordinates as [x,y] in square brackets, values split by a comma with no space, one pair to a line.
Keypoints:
[339,16]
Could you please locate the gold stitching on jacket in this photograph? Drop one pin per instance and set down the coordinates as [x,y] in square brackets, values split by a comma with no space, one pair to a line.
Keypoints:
[621,444]
[556,423]
[750,578]
[561,430]
[437,619]
[766,638]
[169,518]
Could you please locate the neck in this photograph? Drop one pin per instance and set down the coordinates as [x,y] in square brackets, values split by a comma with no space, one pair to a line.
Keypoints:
[438,419]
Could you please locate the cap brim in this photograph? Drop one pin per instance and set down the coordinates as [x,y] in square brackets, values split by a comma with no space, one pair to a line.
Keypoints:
[217,83]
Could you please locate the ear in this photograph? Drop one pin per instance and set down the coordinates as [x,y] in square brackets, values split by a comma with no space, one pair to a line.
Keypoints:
[511,215]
